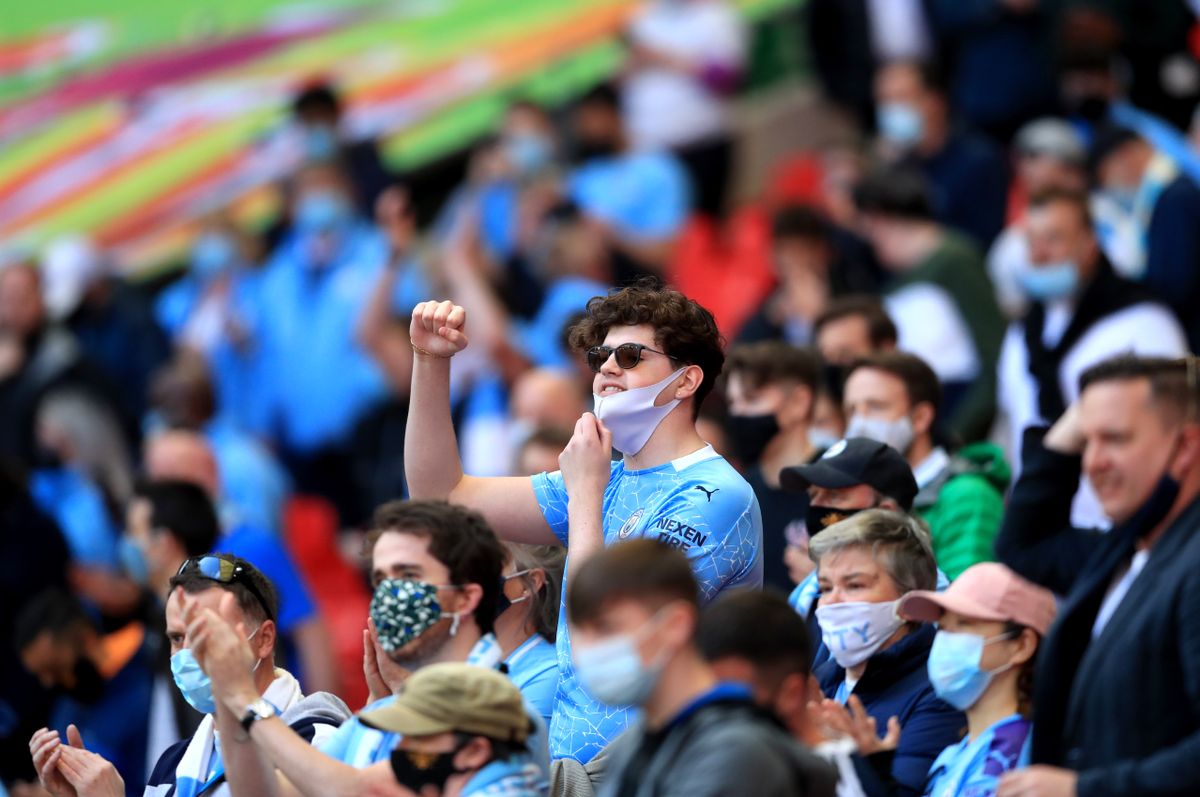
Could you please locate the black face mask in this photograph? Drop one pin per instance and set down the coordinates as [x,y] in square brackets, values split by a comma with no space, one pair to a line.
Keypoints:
[819,518]
[415,771]
[1092,107]
[750,434]
[89,683]
[588,149]
[46,458]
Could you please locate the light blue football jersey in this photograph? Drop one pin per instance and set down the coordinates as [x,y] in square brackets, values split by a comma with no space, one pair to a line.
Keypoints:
[698,504]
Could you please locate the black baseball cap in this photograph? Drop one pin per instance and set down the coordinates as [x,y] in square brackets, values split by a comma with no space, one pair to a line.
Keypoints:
[856,460]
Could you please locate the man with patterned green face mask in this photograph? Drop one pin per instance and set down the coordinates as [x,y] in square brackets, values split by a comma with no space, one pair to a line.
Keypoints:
[436,570]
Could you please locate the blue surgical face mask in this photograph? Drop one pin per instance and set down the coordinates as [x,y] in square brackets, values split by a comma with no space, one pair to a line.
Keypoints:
[322,211]
[133,561]
[212,255]
[612,671]
[320,143]
[900,123]
[194,684]
[528,153]
[1049,282]
[954,667]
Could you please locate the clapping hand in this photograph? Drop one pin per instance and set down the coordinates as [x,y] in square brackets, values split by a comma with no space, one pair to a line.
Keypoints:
[856,724]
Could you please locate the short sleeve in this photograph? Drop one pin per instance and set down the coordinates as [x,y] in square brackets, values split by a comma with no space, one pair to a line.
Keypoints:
[551,495]
[719,530]
[336,745]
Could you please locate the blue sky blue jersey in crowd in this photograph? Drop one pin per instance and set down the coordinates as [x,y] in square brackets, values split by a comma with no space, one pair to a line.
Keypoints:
[972,768]
[77,505]
[533,668]
[253,483]
[513,777]
[698,504]
[321,379]
[541,338]
[644,195]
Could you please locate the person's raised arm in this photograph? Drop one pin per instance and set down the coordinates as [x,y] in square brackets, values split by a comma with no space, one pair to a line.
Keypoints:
[586,467]
[431,462]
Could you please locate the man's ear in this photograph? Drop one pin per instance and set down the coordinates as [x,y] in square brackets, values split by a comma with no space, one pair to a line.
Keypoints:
[471,594]
[689,382]
[473,755]
[264,641]
[922,418]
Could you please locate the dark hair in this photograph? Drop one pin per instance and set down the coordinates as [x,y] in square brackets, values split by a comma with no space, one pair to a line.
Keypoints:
[801,221]
[920,382]
[53,611]
[606,95]
[930,73]
[317,97]
[682,328]
[183,510]
[1076,199]
[760,627]
[773,361]
[880,327]
[1025,677]
[1173,382]
[193,582]
[898,191]
[458,538]
[644,570]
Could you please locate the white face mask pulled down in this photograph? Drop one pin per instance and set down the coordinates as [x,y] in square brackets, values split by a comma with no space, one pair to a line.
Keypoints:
[632,416]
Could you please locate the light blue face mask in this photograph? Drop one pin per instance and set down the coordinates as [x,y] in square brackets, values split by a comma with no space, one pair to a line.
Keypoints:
[212,255]
[133,561]
[900,123]
[612,671]
[1051,281]
[528,153]
[321,211]
[954,669]
[194,684]
[320,143]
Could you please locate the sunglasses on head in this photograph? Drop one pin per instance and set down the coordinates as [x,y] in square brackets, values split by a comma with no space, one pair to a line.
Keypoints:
[224,571]
[627,354]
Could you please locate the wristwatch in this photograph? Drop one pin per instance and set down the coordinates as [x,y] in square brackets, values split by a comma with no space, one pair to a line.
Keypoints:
[258,710]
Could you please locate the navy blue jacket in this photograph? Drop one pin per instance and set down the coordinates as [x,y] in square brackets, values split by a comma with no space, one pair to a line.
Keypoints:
[969,181]
[1122,710]
[895,684]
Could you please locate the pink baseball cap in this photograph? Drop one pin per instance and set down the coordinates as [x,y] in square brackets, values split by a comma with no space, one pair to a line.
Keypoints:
[986,591]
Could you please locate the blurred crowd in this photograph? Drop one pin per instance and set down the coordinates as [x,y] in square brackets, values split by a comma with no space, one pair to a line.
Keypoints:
[1014,201]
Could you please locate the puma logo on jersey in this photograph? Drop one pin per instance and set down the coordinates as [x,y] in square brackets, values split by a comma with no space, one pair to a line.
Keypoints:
[707,492]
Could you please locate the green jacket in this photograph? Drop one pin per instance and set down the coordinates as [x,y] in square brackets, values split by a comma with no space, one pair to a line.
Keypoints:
[964,507]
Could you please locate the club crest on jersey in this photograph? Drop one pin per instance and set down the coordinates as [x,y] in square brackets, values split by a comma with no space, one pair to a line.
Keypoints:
[630,524]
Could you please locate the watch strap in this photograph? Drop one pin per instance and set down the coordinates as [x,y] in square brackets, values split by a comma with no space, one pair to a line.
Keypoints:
[258,710]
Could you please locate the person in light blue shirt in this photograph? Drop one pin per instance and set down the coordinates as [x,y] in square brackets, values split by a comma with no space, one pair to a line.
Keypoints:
[990,624]
[641,197]
[208,311]
[527,624]
[655,354]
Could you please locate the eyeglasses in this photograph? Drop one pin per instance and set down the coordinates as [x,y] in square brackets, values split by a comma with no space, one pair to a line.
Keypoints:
[628,355]
[224,571]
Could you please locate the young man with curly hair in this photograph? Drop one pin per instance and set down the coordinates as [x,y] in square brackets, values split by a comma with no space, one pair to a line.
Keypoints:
[656,354]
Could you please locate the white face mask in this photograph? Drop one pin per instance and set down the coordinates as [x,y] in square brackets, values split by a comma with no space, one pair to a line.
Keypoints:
[898,434]
[853,631]
[631,415]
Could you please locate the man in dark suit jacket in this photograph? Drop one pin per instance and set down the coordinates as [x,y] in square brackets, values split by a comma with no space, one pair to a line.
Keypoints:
[1117,690]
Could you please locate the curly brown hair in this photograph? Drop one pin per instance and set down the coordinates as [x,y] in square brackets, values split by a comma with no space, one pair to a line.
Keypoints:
[682,328]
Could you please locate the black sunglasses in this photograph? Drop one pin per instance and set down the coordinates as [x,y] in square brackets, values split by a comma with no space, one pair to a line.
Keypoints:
[628,355]
[224,571]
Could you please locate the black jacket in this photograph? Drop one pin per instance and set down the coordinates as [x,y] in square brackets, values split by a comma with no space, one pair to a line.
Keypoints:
[1123,710]
[896,684]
